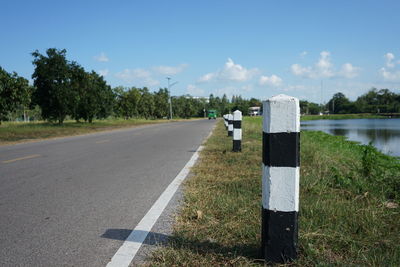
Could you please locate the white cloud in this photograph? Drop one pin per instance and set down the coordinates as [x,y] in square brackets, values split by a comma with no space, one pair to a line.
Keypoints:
[169,70]
[324,65]
[230,72]
[390,75]
[272,80]
[298,70]
[324,68]
[194,90]
[103,72]
[389,60]
[303,54]
[247,88]
[138,76]
[207,77]
[294,88]
[349,71]
[229,91]
[101,58]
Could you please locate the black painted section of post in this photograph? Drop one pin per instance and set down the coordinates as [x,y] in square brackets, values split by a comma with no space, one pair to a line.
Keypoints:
[230,125]
[279,235]
[281,149]
[237,145]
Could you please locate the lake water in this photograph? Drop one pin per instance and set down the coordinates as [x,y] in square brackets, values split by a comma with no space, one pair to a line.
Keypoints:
[384,133]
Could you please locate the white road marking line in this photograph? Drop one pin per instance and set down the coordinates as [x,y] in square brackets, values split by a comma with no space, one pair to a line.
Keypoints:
[131,245]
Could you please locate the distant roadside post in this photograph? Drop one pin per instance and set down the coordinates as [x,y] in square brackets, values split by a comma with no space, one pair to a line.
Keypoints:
[226,121]
[230,125]
[280,181]
[237,131]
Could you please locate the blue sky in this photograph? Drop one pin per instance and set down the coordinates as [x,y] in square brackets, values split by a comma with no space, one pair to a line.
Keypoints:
[252,48]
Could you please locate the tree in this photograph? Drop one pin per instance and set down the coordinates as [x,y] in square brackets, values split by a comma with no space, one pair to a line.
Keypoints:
[14,91]
[189,107]
[161,103]
[79,84]
[95,96]
[224,107]
[53,84]
[106,99]
[146,103]
[211,102]
[339,104]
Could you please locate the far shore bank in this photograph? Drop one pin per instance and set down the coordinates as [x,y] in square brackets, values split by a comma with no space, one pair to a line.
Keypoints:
[350,116]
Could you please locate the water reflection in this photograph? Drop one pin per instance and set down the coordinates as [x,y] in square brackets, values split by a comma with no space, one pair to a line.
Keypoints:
[338,131]
[383,133]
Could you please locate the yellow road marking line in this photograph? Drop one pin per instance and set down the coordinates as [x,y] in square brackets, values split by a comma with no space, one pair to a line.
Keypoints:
[22,158]
[102,141]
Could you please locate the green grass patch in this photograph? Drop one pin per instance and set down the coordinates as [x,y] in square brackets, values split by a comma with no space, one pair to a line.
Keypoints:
[11,132]
[349,212]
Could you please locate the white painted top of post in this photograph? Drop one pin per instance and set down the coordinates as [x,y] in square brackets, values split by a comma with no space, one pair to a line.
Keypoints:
[230,117]
[281,114]
[237,115]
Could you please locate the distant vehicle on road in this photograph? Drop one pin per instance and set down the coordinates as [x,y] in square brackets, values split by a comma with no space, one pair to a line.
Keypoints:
[212,114]
[254,111]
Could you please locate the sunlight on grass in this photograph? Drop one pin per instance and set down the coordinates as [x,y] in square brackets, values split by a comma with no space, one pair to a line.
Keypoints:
[345,218]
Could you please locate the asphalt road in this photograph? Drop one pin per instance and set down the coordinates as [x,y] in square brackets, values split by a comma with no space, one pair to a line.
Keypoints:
[72,201]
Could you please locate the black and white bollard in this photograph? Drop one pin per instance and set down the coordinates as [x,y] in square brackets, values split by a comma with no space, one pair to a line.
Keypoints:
[281,176]
[226,121]
[237,131]
[230,125]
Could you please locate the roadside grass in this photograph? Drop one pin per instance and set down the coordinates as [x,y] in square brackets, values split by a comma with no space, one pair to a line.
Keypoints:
[13,132]
[349,213]
[342,117]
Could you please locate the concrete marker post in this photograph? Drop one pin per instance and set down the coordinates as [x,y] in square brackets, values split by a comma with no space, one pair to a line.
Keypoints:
[230,125]
[237,131]
[281,176]
[226,121]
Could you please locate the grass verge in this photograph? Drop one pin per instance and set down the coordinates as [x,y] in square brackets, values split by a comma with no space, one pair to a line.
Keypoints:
[349,205]
[14,132]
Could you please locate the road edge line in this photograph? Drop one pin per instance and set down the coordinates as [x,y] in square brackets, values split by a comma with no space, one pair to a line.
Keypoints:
[132,244]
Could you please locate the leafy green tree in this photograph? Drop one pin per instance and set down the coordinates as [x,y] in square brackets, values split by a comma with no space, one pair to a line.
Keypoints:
[339,104]
[95,97]
[212,103]
[79,85]
[189,107]
[161,103]
[127,102]
[14,91]
[238,103]
[53,84]
[106,99]
[224,107]
[146,103]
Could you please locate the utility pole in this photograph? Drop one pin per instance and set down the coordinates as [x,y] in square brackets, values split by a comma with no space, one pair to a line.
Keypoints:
[322,106]
[170,97]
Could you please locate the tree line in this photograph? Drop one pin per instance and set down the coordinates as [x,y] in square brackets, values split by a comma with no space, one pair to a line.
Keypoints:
[374,101]
[63,89]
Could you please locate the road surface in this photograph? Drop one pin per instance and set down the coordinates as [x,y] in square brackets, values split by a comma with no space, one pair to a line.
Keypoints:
[72,201]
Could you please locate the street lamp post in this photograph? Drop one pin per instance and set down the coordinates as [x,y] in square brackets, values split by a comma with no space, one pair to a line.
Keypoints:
[170,97]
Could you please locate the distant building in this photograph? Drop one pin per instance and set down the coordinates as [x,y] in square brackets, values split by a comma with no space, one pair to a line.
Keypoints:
[254,111]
